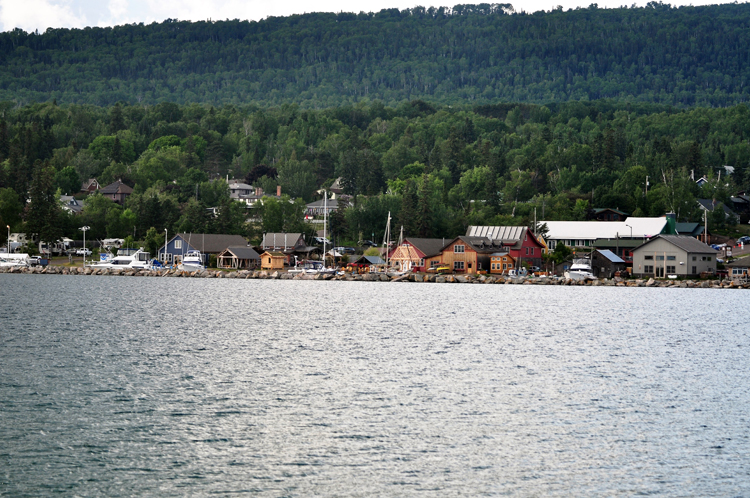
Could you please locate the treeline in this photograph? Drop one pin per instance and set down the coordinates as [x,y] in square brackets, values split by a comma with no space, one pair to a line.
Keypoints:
[687,56]
[437,169]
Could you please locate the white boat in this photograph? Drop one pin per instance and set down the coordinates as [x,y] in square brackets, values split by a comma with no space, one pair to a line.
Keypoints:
[12,263]
[192,261]
[580,270]
[8,260]
[139,260]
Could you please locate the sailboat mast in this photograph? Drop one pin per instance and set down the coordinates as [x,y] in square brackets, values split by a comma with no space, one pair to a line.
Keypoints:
[325,220]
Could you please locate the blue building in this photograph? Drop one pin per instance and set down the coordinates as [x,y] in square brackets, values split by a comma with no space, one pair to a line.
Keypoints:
[206,243]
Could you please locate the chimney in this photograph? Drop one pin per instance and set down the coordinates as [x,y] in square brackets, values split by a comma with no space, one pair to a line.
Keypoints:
[278,190]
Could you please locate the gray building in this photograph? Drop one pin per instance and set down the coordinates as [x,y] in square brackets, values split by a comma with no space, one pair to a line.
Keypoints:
[678,255]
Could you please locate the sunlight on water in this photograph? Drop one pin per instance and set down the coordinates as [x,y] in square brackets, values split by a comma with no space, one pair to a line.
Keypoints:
[169,387]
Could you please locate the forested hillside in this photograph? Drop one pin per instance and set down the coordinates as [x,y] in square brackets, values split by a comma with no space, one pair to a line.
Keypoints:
[484,53]
[437,169]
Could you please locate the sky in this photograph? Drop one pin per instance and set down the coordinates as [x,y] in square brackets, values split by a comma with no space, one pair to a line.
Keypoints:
[31,15]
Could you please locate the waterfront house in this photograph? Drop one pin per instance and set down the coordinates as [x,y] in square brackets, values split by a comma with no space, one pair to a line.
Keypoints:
[206,243]
[518,241]
[412,253]
[272,260]
[466,254]
[739,268]
[501,262]
[673,255]
[242,257]
[117,191]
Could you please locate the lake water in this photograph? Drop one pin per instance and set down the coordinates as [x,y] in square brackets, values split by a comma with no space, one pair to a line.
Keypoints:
[114,386]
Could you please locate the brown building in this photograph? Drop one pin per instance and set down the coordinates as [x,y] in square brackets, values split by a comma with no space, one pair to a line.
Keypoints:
[272,261]
[116,191]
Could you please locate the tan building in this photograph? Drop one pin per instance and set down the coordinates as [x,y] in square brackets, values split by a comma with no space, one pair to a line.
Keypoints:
[679,255]
[272,261]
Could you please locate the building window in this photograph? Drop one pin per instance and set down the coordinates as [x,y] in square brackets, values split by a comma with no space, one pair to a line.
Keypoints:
[648,258]
[695,258]
[695,270]
[527,251]
[458,265]
[434,263]
[660,258]
[648,269]
[670,269]
[671,258]
[458,248]
[178,244]
[532,251]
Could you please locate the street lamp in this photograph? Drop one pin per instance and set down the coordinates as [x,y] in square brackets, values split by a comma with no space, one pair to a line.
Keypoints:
[165,247]
[631,238]
[7,245]
[84,230]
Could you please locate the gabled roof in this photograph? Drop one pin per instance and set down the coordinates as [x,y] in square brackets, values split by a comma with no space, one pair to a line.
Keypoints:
[482,245]
[275,254]
[116,188]
[370,260]
[614,258]
[689,228]
[601,210]
[428,247]
[684,242]
[212,242]
[243,252]
[710,204]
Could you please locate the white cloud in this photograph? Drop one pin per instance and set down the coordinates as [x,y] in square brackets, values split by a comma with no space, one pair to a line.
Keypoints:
[30,15]
[118,8]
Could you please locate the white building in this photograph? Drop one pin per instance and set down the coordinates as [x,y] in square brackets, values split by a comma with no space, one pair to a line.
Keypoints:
[584,233]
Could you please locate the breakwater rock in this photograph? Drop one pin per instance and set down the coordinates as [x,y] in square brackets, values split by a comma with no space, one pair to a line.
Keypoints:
[380,277]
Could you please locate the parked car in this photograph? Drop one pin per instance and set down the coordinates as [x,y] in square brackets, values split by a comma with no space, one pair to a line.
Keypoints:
[37,260]
[368,243]
[83,252]
[745,239]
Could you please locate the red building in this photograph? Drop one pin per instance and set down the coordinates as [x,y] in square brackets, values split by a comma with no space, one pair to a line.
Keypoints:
[518,241]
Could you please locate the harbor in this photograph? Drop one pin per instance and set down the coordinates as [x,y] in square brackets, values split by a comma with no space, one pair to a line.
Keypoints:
[725,283]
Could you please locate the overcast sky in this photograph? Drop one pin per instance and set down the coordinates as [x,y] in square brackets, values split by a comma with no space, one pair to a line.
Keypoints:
[31,15]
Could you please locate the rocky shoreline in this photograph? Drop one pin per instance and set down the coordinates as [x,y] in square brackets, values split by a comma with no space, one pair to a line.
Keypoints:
[379,277]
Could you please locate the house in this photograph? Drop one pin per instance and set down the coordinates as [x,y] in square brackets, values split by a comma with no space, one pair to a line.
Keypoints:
[322,207]
[207,244]
[410,255]
[518,241]
[466,254]
[739,268]
[365,263]
[284,242]
[272,260]
[605,263]
[673,255]
[116,191]
[608,214]
[501,262]
[71,204]
[584,233]
[238,258]
[709,205]
[694,230]
[90,185]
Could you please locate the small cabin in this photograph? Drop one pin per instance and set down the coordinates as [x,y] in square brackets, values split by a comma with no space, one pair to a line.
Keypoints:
[271,260]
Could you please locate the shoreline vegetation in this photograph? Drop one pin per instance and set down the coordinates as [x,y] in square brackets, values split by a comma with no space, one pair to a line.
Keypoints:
[381,277]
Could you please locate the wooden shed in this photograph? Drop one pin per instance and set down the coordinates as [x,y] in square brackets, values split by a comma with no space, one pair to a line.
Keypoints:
[271,260]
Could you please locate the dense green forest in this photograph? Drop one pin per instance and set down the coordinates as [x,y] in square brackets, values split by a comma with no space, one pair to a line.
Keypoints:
[468,54]
[437,169]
